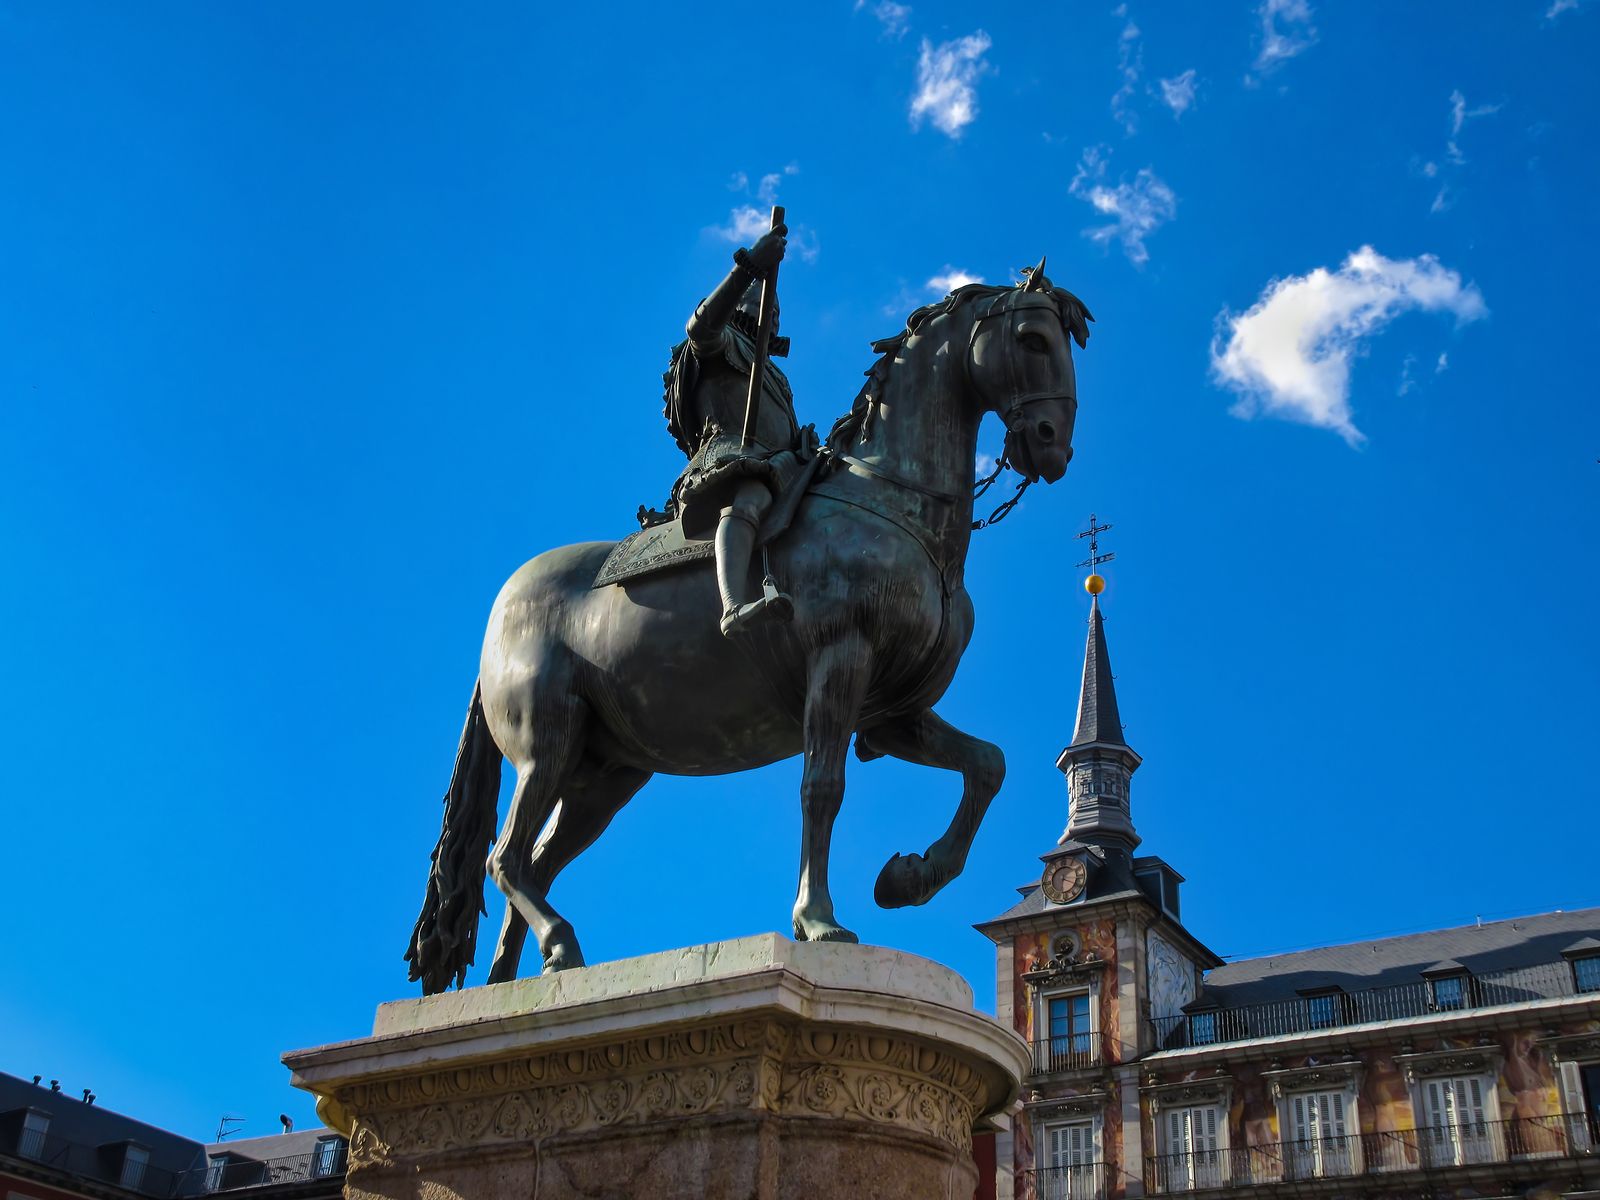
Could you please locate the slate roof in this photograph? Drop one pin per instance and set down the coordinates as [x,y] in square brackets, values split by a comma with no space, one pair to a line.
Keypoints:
[302,1143]
[1492,946]
[1098,719]
[93,1125]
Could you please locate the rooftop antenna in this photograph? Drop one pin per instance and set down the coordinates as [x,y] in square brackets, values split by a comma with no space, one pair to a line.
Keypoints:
[227,1126]
[1095,584]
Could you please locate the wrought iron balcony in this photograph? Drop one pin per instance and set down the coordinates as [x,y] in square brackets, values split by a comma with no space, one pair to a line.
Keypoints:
[1081,1181]
[269,1172]
[1067,1052]
[105,1164]
[1309,1014]
[1431,1148]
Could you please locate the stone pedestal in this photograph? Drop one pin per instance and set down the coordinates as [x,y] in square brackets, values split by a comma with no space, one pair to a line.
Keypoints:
[756,1069]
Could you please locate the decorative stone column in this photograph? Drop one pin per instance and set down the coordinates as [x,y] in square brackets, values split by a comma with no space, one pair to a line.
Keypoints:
[756,1069]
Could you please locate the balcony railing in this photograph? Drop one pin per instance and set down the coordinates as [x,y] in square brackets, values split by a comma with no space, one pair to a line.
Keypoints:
[1067,1052]
[1082,1181]
[1428,1149]
[106,1164]
[1310,1014]
[297,1168]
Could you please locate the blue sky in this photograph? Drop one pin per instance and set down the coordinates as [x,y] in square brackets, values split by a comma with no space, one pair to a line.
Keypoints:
[316,321]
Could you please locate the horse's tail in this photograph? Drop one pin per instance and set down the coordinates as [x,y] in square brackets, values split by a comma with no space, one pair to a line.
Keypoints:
[446,936]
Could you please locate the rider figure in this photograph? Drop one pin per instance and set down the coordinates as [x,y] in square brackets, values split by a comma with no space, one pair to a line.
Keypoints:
[726,481]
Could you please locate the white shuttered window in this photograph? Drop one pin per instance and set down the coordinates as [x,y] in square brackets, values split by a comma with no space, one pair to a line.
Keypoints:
[1321,1143]
[1194,1148]
[1456,1130]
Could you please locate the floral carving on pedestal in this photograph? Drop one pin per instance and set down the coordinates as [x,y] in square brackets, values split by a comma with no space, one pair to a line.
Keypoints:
[731,1067]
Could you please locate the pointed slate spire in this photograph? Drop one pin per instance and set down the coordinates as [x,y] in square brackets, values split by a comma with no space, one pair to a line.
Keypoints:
[1098,719]
[1098,762]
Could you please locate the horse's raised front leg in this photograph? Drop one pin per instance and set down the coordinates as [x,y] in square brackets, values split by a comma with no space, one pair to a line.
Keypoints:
[926,739]
[836,682]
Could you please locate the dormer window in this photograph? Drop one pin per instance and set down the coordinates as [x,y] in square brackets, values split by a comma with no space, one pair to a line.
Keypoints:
[1202,1028]
[1323,1009]
[327,1158]
[1449,992]
[1584,956]
[35,1128]
[135,1159]
[1586,973]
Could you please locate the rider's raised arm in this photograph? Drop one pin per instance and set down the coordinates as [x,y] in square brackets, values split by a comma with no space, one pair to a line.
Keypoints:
[711,318]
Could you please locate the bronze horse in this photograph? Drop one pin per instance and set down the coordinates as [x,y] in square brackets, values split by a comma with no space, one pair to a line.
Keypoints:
[590,691]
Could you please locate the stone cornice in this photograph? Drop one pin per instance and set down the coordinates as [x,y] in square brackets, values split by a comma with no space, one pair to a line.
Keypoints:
[1571,1046]
[1057,971]
[1326,1075]
[1213,1089]
[1086,1104]
[1483,1060]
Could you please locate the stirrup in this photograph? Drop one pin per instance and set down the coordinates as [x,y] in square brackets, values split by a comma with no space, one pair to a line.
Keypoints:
[772,606]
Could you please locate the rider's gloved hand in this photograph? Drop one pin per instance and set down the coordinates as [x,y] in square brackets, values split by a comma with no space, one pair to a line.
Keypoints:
[767,252]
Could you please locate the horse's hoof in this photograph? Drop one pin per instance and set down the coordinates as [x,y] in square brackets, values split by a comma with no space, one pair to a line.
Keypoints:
[903,881]
[822,931]
[563,958]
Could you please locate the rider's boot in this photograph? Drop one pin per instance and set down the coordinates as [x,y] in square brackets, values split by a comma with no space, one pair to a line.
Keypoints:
[735,542]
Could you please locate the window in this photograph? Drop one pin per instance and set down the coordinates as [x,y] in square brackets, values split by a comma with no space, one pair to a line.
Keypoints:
[1449,992]
[1071,1168]
[1193,1156]
[1454,1130]
[325,1158]
[134,1160]
[35,1127]
[1202,1028]
[1586,973]
[1071,1042]
[1322,1142]
[215,1166]
[1322,1011]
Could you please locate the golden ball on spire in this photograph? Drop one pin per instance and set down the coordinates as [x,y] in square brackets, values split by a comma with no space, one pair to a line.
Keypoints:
[1094,585]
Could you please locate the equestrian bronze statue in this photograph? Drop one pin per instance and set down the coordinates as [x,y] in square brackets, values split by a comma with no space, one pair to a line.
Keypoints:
[605,663]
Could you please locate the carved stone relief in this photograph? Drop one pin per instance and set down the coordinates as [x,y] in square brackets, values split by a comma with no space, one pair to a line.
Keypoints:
[736,1066]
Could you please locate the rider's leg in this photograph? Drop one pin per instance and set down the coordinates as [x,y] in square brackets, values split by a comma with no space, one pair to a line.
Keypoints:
[735,542]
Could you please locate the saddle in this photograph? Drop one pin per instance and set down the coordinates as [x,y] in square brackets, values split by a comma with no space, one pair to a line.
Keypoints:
[663,545]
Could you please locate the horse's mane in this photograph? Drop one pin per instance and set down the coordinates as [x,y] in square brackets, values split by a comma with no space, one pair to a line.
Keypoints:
[856,424]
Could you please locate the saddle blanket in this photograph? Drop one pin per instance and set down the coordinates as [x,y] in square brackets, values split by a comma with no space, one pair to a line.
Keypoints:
[650,550]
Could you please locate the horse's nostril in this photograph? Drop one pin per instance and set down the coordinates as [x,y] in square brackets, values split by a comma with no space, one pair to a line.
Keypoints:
[1047,431]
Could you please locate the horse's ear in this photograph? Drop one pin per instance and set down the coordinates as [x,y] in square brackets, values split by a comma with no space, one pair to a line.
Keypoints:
[1036,282]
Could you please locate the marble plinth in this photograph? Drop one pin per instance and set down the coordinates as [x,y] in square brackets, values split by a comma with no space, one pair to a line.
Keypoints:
[756,1069]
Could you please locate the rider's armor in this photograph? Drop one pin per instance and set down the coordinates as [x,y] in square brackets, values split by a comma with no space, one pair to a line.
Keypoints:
[727,485]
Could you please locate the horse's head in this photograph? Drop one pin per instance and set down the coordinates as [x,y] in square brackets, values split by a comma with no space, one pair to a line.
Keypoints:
[1019,362]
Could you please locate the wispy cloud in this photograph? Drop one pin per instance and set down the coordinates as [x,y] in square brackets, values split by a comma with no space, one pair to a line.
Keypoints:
[1178,93]
[1460,114]
[894,18]
[1137,207]
[1289,356]
[951,279]
[746,222]
[1286,31]
[1558,7]
[1130,65]
[947,82]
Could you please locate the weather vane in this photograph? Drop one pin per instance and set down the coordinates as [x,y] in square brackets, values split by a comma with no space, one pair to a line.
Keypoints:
[1095,584]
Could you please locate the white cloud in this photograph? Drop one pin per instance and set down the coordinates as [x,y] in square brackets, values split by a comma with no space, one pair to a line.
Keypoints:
[895,18]
[1286,31]
[1560,6]
[746,222]
[1178,93]
[1137,208]
[1289,355]
[947,78]
[953,278]
[1130,63]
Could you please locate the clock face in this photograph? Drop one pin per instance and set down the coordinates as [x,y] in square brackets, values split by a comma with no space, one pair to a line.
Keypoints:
[1063,880]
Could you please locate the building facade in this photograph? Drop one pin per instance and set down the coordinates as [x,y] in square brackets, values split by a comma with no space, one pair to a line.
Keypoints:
[1450,1065]
[55,1145]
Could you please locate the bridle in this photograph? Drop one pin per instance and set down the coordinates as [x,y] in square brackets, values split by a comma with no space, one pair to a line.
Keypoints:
[1014,414]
